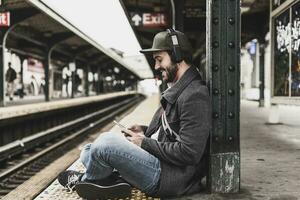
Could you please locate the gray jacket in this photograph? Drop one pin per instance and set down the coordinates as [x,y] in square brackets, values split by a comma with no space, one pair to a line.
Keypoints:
[188,110]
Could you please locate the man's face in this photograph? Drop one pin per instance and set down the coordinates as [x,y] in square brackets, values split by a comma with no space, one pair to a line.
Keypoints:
[164,64]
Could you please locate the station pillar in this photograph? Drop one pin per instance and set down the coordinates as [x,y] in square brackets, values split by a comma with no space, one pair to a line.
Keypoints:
[86,80]
[262,75]
[179,16]
[3,31]
[100,82]
[223,79]
[46,87]
[21,90]
[72,67]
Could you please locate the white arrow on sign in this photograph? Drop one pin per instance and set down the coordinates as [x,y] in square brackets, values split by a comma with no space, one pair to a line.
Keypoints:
[136,19]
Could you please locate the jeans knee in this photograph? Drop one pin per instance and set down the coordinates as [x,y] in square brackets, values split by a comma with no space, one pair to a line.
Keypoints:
[85,152]
[108,139]
[105,143]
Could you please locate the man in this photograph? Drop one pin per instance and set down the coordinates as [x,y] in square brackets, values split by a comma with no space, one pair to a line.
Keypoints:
[165,159]
[10,77]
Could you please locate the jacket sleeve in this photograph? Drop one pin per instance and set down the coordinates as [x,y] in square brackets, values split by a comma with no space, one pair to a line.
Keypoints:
[195,122]
[144,128]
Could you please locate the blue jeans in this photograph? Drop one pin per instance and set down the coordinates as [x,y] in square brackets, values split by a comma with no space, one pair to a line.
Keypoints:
[112,151]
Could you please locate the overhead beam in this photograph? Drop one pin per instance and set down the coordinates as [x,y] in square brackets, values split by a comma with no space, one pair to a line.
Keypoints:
[57,38]
[83,49]
[28,39]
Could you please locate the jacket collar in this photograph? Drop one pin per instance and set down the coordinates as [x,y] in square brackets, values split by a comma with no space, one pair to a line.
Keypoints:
[171,94]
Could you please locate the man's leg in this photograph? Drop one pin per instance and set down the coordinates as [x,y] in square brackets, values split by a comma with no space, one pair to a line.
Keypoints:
[113,151]
[10,90]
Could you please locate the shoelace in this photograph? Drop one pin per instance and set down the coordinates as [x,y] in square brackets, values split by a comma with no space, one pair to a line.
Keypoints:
[72,180]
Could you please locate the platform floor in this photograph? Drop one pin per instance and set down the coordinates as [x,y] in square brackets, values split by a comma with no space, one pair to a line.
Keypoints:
[270,155]
[36,107]
[140,115]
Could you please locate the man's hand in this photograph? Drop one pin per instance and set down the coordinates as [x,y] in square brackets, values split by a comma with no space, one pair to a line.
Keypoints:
[136,128]
[134,136]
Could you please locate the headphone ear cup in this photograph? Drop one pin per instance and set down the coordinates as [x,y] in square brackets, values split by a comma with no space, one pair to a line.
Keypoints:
[176,56]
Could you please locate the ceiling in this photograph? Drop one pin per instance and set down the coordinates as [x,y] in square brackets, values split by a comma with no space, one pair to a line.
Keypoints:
[192,21]
[37,30]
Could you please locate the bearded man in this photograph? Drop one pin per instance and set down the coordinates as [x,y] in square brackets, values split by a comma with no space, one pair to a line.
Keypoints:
[166,158]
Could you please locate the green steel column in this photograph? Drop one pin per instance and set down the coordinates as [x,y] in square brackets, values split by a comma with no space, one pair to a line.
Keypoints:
[46,68]
[2,73]
[100,81]
[179,18]
[22,58]
[262,75]
[86,80]
[73,72]
[3,31]
[223,72]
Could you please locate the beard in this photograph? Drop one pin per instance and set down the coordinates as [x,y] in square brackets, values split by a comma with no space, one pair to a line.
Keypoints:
[171,73]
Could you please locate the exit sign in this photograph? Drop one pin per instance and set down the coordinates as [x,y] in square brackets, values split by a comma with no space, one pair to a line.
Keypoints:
[148,19]
[5,19]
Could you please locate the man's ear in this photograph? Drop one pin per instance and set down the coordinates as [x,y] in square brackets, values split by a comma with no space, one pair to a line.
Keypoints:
[180,63]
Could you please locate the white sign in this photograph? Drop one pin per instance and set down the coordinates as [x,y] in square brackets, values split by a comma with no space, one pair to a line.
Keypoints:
[5,19]
[149,19]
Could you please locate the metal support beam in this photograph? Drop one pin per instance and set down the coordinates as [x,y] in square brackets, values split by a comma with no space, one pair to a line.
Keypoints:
[38,56]
[21,91]
[73,72]
[83,49]
[262,75]
[28,39]
[223,72]
[57,38]
[3,32]
[46,88]
[86,80]
[98,59]
[179,7]
[99,87]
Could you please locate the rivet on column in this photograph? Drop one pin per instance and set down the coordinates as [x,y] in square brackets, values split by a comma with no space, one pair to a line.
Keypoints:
[215,44]
[215,115]
[231,68]
[215,20]
[215,68]
[215,91]
[231,115]
[231,44]
[231,20]
[231,92]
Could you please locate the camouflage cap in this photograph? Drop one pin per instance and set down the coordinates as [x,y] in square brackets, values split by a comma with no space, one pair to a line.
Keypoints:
[162,42]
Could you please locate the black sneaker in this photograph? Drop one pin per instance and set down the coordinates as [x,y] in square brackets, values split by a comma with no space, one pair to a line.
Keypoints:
[69,178]
[88,190]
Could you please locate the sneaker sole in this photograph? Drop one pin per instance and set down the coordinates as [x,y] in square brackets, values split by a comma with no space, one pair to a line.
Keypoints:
[93,191]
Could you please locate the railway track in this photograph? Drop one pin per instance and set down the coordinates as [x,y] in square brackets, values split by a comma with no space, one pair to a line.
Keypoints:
[17,166]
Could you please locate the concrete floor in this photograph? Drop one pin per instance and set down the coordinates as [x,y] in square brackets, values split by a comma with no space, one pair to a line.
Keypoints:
[270,156]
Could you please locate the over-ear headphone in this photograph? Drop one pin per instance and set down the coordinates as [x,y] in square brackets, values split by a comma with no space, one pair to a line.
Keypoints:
[176,55]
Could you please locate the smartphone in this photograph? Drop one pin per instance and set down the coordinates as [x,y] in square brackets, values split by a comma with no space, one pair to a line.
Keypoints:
[120,125]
